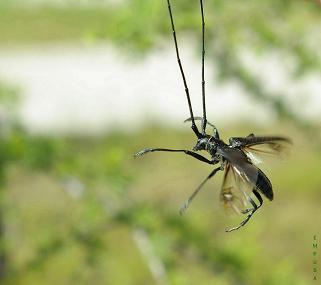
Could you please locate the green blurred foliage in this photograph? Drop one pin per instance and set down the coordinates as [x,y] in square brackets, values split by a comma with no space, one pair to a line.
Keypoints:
[289,27]
[71,206]
[55,236]
[9,95]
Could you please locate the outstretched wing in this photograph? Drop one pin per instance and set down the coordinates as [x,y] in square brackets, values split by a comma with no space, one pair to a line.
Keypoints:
[236,189]
[242,176]
[257,147]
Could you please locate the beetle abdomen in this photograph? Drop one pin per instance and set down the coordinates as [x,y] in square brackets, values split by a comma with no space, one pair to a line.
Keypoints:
[264,185]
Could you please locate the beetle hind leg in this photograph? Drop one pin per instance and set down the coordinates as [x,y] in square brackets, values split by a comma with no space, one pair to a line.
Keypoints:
[251,211]
[255,207]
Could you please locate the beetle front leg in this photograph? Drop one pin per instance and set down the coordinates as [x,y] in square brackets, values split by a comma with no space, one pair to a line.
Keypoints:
[188,152]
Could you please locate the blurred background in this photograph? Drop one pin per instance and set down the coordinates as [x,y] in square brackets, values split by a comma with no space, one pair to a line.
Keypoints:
[85,84]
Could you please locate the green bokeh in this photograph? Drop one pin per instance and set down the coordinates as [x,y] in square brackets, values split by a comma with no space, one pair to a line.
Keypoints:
[82,210]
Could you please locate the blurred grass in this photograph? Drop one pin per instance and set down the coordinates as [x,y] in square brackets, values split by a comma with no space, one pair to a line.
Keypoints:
[55,237]
[71,206]
[48,23]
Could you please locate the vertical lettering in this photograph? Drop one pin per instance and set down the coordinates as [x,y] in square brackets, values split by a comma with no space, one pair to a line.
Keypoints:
[314,254]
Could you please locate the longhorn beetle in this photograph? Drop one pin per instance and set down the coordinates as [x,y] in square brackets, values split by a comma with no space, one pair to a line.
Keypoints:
[243,181]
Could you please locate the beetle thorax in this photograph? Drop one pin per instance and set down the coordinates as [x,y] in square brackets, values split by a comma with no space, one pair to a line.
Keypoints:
[207,143]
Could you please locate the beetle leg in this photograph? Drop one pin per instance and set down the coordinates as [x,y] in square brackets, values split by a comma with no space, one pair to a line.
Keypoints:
[250,211]
[190,199]
[188,152]
[215,131]
[258,196]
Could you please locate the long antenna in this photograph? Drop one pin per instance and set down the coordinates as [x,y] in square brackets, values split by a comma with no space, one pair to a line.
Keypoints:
[204,121]
[194,127]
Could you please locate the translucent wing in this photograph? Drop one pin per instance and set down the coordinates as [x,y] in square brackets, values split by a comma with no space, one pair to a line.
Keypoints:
[257,148]
[236,189]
